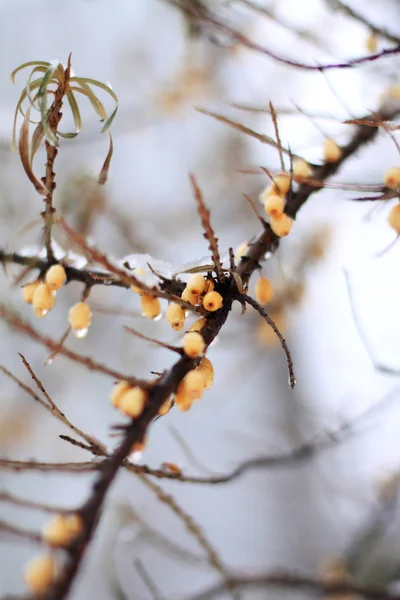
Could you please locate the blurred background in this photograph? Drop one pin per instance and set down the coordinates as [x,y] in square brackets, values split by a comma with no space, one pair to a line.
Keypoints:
[338,310]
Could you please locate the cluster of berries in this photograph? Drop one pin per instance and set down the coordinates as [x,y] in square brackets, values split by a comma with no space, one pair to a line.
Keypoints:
[42,295]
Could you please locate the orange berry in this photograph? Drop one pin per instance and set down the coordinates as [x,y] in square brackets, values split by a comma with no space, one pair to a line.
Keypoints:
[206,370]
[212,301]
[332,152]
[175,315]
[28,291]
[61,530]
[193,384]
[240,250]
[274,206]
[55,277]
[198,325]
[151,307]
[80,317]
[263,290]
[196,284]
[281,184]
[40,573]
[392,178]
[281,225]
[193,344]
[301,170]
[133,401]
[394,218]
[43,300]
[119,390]
[188,296]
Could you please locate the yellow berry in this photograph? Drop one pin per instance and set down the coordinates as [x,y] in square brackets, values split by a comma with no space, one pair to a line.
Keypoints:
[274,206]
[150,306]
[281,225]
[281,184]
[332,152]
[183,399]
[165,407]
[119,390]
[133,401]
[198,325]
[61,530]
[394,218]
[80,317]
[40,573]
[43,300]
[55,277]
[188,296]
[175,315]
[138,273]
[206,370]
[209,286]
[196,284]
[392,178]
[212,301]
[28,291]
[371,42]
[301,170]
[240,250]
[193,344]
[193,384]
[264,290]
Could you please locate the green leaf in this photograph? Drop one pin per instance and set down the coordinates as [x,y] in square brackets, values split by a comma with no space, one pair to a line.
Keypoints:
[37,138]
[42,98]
[95,102]
[28,64]
[23,147]
[106,165]
[75,110]
[35,84]
[86,82]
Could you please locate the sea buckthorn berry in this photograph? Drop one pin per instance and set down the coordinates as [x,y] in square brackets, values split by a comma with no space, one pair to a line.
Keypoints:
[332,152]
[264,290]
[240,250]
[61,530]
[119,390]
[171,468]
[28,291]
[182,399]
[212,301]
[193,384]
[281,184]
[206,369]
[196,284]
[193,344]
[139,274]
[80,317]
[138,447]
[198,325]
[165,408]
[392,178]
[394,218]
[274,206]
[175,315]
[133,401]
[209,287]
[43,300]
[301,170]
[188,296]
[40,573]
[150,306]
[55,277]
[281,225]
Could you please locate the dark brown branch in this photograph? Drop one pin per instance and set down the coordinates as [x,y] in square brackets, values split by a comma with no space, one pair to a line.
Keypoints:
[17,501]
[298,582]
[207,17]
[22,326]
[8,464]
[22,533]
[271,323]
[208,230]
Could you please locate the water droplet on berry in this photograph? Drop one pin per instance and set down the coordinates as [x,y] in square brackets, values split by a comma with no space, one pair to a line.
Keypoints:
[80,333]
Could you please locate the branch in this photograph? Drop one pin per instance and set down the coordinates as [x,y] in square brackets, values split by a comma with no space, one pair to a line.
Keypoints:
[8,464]
[298,582]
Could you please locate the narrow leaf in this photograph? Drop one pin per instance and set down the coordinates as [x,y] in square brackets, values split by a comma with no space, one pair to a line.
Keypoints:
[75,110]
[28,64]
[106,166]
[24,154]
[37,138]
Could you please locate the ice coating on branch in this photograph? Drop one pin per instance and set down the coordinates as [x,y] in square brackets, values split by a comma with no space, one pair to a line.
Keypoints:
[68,257]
